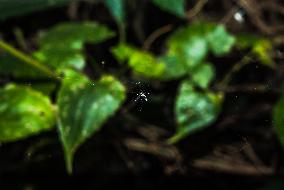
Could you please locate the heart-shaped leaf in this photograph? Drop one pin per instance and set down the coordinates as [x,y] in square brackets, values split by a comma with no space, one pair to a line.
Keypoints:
[84,107]
[194,110]
[23,112]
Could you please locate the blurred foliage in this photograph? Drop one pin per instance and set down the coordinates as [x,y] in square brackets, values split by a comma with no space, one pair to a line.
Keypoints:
[72,37]
[11,8]
[261,47]
[24,112]
[85,105]
[278,118]
[176,7]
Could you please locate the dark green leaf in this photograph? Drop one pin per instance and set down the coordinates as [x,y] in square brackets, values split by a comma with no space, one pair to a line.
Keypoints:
[194,110]
[9,8]
[278,119]
[73,35]
[23,112]
[174,68]
[116,8]
[62,45]
[176,7]
[11,66]
[60,58]
[44,88]
[84,107]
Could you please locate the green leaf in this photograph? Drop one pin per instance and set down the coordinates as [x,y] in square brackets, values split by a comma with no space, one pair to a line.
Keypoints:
[194,110]
[278,119]
[176,7]
[62,46]
[73,35]
[13,67]
[44,88]
[60,58]
[261,48]
[116,7]
[203,75]
[220,41]
[10,8]
[23,112]
[189,44]
[174,68]
[84,107]
[141,62]
[122,52]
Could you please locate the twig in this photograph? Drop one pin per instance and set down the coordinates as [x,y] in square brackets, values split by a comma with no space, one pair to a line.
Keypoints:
[27,59]
[230,167]
[196,9]
[20,39]
[229,15]
[249,88]
[244,61]
[253,10]
[156,34]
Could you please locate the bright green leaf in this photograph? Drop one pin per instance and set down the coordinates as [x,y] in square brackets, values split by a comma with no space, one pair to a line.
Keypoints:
[189,44]
[23,112]
[116,7]
[220,41]
[176,7]
[122,52]
[142,62]
[146,64]
[84,107]
[203,74]
[194,110]
[278,119]
[261,48]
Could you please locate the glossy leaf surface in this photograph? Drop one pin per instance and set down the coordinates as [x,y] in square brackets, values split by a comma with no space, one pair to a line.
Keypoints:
[194,110]
[24,112]
[84,107]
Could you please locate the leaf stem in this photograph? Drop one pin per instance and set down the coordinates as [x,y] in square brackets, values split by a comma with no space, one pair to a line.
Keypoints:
[27,59]
[244,61]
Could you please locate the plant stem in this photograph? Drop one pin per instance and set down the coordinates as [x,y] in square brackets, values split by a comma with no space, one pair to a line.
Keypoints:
[244,61]
[27,59]
[122,33]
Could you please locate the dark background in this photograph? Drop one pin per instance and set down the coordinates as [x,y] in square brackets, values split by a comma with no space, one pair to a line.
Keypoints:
[241,146]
